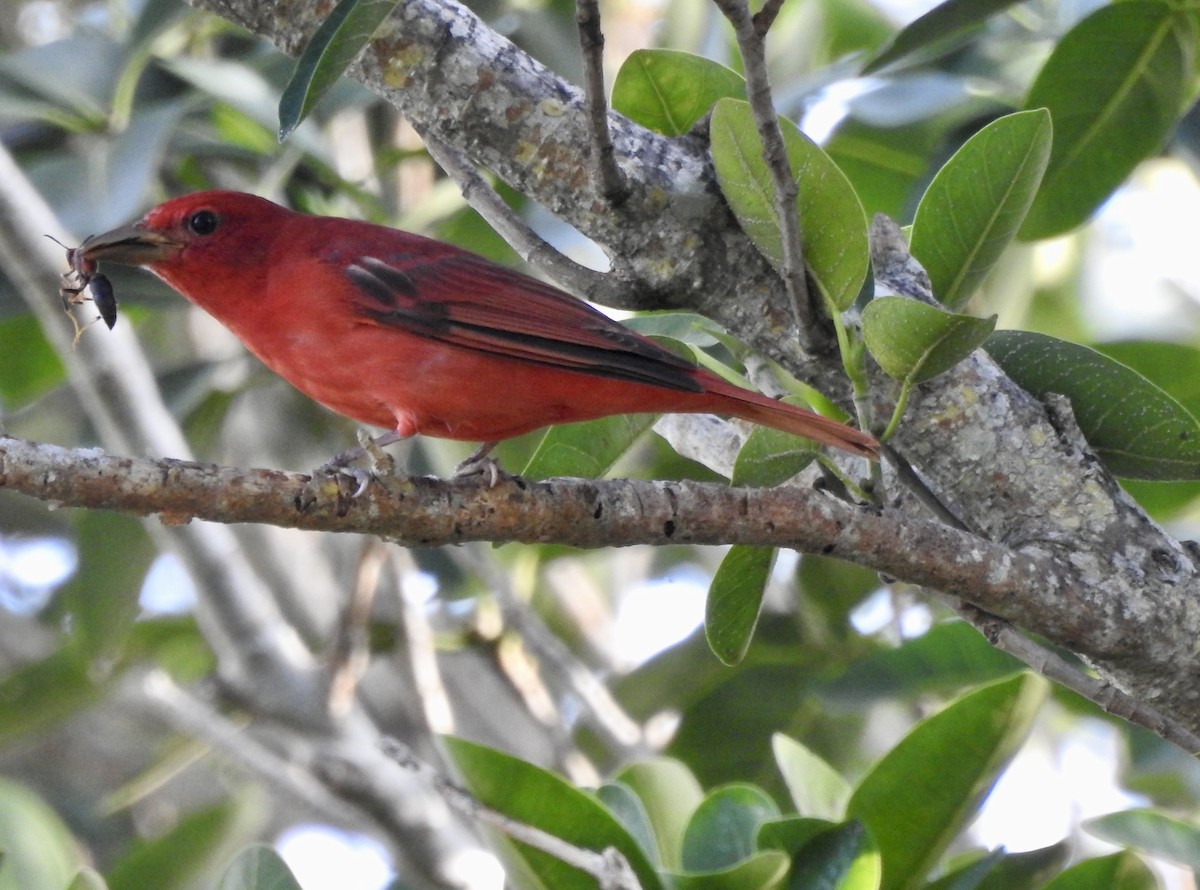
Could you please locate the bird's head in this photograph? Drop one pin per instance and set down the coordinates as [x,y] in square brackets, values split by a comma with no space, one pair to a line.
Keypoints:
[194,242]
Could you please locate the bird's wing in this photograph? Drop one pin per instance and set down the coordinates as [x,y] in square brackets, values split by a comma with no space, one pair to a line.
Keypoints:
[467,301]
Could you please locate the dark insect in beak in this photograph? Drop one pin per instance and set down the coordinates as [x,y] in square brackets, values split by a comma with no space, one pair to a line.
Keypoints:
[101,290]
[83,276]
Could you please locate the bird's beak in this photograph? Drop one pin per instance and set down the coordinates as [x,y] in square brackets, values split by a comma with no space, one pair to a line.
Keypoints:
[129,246]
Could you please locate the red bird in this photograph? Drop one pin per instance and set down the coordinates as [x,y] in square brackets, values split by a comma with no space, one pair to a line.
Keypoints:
[417,336]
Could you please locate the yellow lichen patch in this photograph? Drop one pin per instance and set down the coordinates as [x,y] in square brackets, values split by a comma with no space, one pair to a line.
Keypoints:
[398,68]
[552,108]
[526,152]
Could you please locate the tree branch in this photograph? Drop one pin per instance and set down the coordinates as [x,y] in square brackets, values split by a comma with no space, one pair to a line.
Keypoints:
[591,43]
[751,33]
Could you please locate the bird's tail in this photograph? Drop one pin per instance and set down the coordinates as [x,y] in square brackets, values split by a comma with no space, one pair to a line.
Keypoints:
[799,421]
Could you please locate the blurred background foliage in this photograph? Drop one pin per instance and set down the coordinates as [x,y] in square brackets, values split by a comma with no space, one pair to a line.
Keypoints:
[110,107]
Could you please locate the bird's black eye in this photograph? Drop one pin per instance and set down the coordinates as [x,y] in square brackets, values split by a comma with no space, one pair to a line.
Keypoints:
[203,222]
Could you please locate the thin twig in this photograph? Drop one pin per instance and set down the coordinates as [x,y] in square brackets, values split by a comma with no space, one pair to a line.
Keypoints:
[421,646]
[752,46]
[155,691]
[349,656]
[580,280]
[613,186]
[609,867]
[1005,637]
[558,663]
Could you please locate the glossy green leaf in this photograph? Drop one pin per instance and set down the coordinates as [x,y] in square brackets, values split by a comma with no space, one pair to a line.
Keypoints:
[943,660]
[817,789]
[537,797]
[832,223]
[974,206]
[770,457]
[258,867]
[38,850]
[1160,835]
[683,327]
[1120,871]
[629,810]
[1175,368]
[999,870]
[670,794]
[735,599]
[724,829]
[1138,430]
[825,856]
[914,342]
[331,49]
[587,450]
[669,91]
[176,859]
[759,871]
[945,21]
[1114,86]
[924,791]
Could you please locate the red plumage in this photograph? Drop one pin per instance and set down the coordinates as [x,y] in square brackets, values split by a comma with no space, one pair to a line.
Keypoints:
[403,332]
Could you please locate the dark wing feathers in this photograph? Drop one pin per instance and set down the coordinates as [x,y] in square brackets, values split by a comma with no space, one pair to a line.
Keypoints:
[467,301]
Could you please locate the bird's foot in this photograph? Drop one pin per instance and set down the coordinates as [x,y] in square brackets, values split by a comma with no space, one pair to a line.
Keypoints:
[380,466]
[481,463]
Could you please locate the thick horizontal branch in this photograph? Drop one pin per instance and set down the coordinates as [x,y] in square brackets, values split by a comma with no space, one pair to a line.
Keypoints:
[424,511]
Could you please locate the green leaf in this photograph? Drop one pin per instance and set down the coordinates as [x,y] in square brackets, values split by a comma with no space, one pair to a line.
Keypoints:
[918,797]
[587,450]
[1137,429]
[943,660]
[734,600]
[629,810]
[331,49]
[914,342]
[760,871]
[884,164]
[825,856]
[539,798]
[685,327]
[1007,871]
[45,691]
[974,206]
[832,223]
[943,22]
[1175,368]
[669,91]
[1120,871]
[1155,833]
[258,867]
[87,879]
[769,457]
[1114,86]
[175,859]
[724,829]
[115,553]
[29,366]
[670,794]
[38,850]
[817,790]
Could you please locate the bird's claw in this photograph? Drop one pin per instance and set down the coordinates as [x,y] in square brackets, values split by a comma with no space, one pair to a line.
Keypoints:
[381,464]
[481,465]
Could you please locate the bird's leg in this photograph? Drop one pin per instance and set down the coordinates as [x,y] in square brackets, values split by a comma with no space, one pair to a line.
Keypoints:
[479,464]
[382,463]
